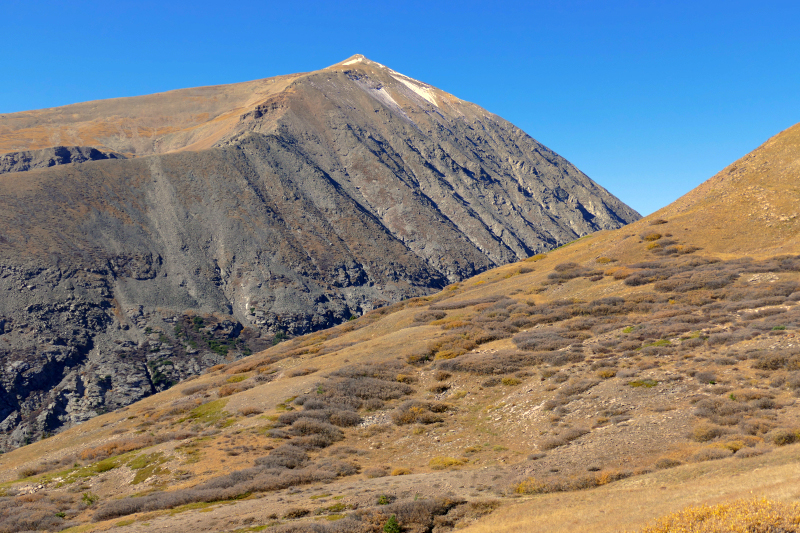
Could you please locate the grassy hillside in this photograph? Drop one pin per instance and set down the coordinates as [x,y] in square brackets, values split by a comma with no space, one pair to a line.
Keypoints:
[598,387]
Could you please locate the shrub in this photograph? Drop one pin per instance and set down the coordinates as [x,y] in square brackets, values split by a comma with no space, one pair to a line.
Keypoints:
[620,273]
[400,472]
[391,525]
[755,426]
[530,485]
[117,447]
[447,306]
[706,377]
[667,462]
[723,411]
[533,485]
[233,388]
[577,386]
[416,412]
[500,362]
[711,453]
[378,471]
[284,456]
[429,316]
[647,383]
[373,404]
[30,471]
[542,340]
[345,419]
[537,257]
[366,388]
[441,463]
[783,436]
[751,452]
[296,512]
[34,512]
[386,371]
[793,380]
[310,426]
[296,372]
[777,360]
[421,512]
[563,438]
[707,432]
[193,389]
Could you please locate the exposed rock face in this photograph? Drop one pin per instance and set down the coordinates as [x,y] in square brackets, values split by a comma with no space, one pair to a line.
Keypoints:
[348,188]
[49,157]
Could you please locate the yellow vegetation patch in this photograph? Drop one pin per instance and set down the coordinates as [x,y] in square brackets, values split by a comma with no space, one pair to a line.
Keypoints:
[743,516]
[441,463]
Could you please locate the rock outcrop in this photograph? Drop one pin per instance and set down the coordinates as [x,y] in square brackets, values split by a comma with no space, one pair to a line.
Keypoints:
[50,157]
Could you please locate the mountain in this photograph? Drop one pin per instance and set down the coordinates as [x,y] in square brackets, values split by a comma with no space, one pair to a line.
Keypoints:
[145,239]
[656,364]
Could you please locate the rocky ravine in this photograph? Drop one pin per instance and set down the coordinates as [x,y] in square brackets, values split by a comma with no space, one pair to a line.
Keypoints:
[347,189]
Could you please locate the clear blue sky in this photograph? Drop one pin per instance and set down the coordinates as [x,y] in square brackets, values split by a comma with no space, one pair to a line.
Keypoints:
[649,98]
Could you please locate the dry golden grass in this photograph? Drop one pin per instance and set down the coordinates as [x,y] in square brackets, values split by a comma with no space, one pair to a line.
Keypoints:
[741,516]
[635,503]
[164,122]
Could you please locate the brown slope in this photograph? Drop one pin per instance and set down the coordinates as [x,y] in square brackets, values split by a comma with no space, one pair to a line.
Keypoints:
[185,119]
[750,207]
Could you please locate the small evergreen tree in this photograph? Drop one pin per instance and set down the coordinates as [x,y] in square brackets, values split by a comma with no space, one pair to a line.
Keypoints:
[391,525]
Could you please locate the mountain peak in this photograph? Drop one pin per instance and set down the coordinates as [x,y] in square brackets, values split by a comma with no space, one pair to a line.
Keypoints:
[357,58]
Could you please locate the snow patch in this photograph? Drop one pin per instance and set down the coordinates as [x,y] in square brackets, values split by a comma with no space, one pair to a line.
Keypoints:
[418,87]
[382,95]
[356,60]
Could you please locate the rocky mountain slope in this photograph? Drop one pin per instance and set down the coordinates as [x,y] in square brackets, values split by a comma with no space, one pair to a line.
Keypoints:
[657,364]
[191,227]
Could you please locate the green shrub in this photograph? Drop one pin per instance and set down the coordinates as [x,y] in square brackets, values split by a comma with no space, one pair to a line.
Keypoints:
[648,383]
[391,525]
